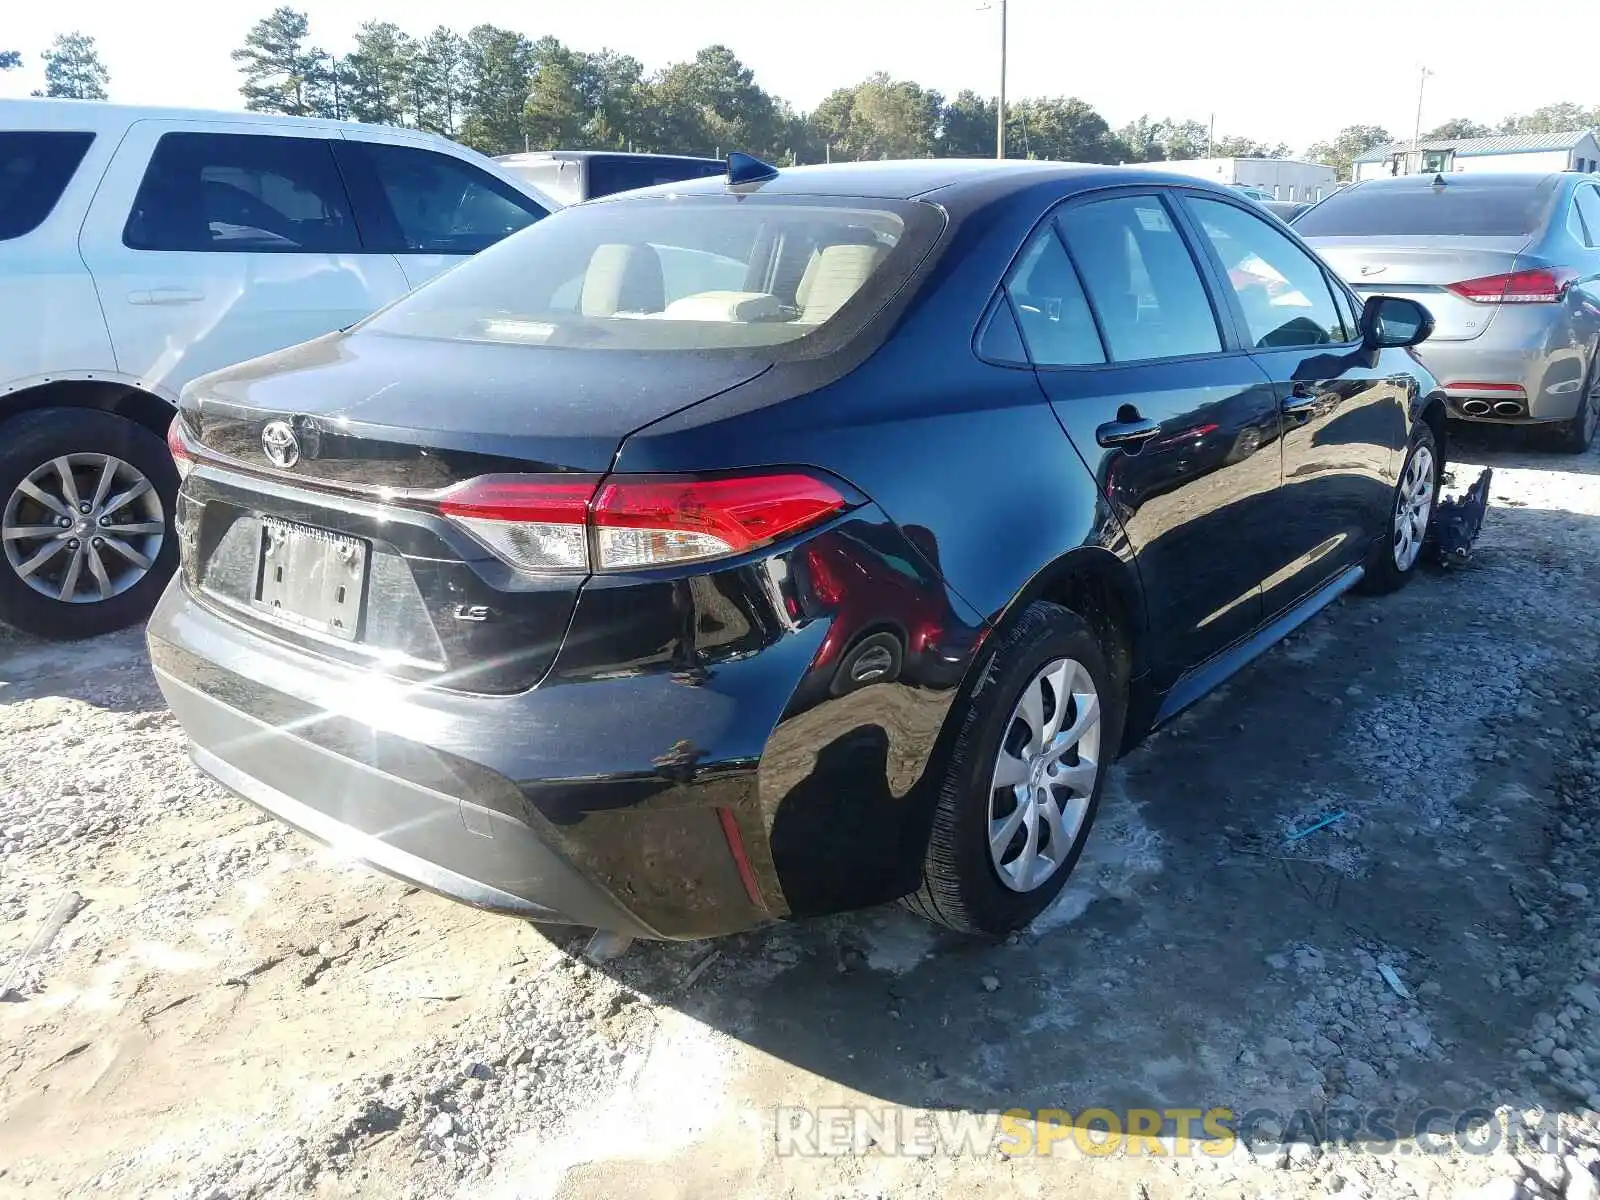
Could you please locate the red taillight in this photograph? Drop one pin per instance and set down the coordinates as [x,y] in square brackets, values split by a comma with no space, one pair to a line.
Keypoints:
[651,523]
[182,456]
[1541,285]
[565,525]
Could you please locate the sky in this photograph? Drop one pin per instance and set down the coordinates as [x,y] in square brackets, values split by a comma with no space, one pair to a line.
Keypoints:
[1265,69]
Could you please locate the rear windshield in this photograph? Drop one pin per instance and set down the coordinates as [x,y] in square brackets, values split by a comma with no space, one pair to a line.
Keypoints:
[609,175]
[1481,207]
[35,169]
[677,273]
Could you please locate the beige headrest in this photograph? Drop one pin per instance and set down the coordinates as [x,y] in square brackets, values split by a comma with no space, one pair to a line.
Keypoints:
[834,274]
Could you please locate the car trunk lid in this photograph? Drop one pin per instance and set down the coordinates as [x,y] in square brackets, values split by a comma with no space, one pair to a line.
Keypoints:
[312,510]
[1424,271]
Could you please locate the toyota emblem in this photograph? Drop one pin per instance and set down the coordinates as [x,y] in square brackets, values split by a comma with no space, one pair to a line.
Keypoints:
[280,445]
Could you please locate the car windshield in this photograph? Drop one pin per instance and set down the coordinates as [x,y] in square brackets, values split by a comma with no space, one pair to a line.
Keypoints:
[677,273]
[1467,207]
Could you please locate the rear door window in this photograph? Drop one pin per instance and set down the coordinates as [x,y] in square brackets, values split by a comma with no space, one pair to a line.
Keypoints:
[242,193]
[415,201]
[1141,279]
[35,168]
[1465,206]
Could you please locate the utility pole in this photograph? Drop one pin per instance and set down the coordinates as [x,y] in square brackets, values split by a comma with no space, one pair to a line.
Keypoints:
[1211,135]
[1000,112]
[1416,132]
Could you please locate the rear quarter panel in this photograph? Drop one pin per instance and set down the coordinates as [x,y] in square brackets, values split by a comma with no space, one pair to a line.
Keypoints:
[49,310]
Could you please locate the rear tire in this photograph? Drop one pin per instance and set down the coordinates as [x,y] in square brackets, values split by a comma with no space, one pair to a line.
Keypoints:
[123,541]
[1394,559]
[1049,667]
[1577,435]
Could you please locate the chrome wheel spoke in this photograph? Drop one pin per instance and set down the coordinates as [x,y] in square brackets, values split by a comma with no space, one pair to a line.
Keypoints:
[1001,832]
[13,533]
[136,529]
[69,581]
[124,498]
[108,476]
[1027,863]
[97,568]
[1088,716]
[69,485]
[137,558]
[31,565]
[1060,683]
[1031,713]
[39,496]
[1009,771]
[1077,777]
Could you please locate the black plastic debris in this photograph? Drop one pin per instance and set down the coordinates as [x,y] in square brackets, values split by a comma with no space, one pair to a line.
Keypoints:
[1457,521]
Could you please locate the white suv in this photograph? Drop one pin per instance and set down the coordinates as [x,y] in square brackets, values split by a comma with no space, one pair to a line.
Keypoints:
[140,248]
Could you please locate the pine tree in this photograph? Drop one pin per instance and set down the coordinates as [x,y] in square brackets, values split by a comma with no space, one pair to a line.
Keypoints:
[279,72]
[73,70]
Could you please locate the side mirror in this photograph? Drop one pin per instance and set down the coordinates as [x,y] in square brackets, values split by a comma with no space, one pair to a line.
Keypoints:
[1394,321]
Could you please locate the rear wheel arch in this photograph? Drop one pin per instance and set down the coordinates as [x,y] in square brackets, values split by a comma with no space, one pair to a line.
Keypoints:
[1103,590]
[143,407]
[1434,414]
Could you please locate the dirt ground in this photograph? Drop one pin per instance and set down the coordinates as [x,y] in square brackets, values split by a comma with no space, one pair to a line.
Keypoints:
[231,1012]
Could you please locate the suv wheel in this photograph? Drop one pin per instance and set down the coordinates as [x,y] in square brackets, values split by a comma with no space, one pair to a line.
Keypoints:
[1024,779]
[86,503]
[1394,559]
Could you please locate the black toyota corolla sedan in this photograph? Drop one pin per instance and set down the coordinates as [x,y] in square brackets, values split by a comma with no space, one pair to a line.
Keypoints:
[782,543]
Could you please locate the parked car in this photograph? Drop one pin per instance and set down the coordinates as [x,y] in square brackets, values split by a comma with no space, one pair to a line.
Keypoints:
[536,587]
[1509,266]
[142,247]
[573,176]
[1286,210]
[1259,194]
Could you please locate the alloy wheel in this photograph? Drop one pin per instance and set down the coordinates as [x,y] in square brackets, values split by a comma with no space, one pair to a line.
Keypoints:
[82,528]
[1413,507]
[1046,771]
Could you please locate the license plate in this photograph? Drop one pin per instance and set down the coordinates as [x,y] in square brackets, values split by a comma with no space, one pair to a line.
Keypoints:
[312,579]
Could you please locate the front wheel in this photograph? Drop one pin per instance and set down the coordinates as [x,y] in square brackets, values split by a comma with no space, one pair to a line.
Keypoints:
[1394,559]
[86,504]
[1024,778]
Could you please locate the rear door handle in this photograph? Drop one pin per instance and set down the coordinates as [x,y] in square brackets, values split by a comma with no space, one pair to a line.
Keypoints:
[1133,433]
[166,295]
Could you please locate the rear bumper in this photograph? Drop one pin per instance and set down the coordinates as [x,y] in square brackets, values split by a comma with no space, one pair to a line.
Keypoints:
[477,798]
[1549,382]
[401,828]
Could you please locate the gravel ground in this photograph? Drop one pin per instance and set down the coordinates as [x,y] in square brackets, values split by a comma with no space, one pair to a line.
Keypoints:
[227,1011]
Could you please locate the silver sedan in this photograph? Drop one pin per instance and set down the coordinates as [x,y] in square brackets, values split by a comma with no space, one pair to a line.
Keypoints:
[1509,266]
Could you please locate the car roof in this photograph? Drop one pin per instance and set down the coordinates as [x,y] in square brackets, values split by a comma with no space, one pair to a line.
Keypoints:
[1508,179]
[526,156]
[98,116]
[953,179]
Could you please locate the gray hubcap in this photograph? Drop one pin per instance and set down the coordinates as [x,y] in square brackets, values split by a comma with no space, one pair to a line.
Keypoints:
[1048,763]
[1412,508]
[83,528]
